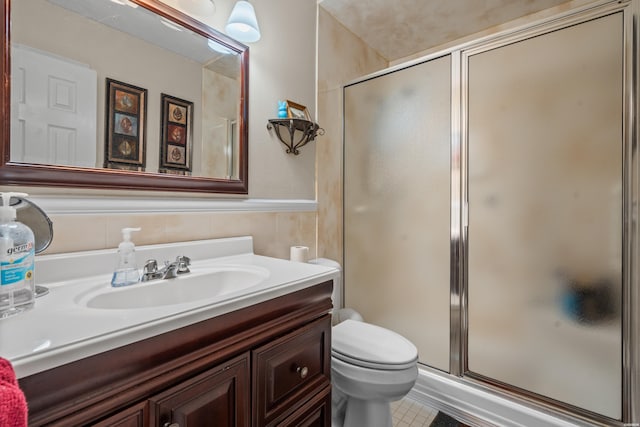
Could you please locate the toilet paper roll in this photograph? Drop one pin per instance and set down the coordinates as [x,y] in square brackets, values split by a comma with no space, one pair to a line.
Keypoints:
[299,253]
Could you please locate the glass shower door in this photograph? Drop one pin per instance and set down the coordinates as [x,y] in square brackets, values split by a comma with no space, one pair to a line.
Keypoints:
[397,133]
[545,194]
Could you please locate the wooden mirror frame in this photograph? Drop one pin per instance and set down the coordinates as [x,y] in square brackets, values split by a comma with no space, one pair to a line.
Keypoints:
[13,173]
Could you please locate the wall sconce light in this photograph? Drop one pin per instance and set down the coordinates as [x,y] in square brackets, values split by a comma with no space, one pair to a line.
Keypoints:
[198,7]
[242,24]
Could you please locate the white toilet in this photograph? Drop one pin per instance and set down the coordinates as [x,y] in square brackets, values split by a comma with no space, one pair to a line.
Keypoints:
[370,366]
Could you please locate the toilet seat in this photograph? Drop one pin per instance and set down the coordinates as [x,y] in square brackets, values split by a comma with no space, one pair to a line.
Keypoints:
[371,346]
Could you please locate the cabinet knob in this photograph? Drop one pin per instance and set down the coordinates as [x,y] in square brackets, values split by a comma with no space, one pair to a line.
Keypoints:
[302,371]
[171,425]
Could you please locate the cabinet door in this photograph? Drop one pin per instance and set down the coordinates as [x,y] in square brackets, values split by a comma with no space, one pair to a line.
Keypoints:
[290,370]
[134,416]
[217,397]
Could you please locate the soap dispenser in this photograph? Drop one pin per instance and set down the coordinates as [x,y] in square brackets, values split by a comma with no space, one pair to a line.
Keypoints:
[17,254]
[126,272]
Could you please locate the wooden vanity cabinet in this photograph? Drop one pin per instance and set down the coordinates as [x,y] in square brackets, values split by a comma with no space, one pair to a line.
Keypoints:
[264,365]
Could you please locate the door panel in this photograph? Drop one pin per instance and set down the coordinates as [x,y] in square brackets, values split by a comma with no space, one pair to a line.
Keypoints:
[545,145]
[397,204]
[53,117]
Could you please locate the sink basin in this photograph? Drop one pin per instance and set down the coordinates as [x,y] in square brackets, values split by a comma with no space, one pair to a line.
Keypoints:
[209,284]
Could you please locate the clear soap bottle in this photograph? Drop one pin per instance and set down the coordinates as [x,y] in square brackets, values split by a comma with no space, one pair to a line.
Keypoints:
[17,255]
[126,272]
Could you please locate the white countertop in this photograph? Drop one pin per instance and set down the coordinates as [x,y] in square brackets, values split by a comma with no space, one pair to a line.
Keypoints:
[60,330]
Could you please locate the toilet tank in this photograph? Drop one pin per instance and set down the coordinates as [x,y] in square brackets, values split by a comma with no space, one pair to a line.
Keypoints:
[336,295]
[339,313]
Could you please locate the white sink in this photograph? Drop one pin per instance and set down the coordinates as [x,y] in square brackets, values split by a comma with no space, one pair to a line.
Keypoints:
[198,286]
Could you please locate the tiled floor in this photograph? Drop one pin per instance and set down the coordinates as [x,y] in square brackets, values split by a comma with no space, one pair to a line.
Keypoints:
[409,413]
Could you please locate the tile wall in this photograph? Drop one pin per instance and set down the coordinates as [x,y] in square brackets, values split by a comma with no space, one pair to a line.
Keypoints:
[342,57]
[273,232]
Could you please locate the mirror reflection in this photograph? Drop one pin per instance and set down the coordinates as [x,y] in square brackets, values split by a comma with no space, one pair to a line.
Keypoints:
[108,84]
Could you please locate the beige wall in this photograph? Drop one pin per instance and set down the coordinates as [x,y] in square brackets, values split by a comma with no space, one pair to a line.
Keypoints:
[276,73]
[282,66]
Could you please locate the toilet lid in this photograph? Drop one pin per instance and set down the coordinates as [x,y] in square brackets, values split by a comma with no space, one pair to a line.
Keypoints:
[369,345]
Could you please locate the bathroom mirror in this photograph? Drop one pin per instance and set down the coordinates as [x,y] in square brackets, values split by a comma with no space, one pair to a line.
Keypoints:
[121,94]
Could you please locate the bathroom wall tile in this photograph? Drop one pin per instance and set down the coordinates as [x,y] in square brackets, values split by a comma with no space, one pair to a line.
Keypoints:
[273,232]
[72,233]
[329,177]
[295,229]
[342,57]
[260,225]
[152,225]
[187,227]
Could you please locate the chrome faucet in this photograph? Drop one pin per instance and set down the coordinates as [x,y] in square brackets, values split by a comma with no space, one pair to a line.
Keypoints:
[169,271]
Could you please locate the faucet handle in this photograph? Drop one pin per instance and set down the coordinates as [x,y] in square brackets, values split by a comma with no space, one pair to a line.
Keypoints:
[183,260]
[150,266]
[183,264]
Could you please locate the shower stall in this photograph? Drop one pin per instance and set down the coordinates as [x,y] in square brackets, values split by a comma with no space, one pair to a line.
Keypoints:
[490,212]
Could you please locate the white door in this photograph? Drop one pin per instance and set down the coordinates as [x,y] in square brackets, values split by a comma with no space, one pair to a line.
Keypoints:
[53,109]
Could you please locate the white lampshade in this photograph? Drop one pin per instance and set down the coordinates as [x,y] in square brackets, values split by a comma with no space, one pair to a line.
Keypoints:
[242,24]
[198,7]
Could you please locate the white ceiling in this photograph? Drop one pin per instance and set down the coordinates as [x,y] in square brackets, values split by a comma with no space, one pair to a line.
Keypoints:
[399,28]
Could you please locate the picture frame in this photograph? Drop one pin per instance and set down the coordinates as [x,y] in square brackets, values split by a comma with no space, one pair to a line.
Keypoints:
[125,126]
[176,135]
[297,111]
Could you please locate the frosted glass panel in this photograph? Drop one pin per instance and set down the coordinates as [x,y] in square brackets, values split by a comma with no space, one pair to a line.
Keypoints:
[545,209]
[396,183]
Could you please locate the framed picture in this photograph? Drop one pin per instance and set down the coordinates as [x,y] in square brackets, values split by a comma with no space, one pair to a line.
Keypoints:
[176,134]
[125,126]
[297,111]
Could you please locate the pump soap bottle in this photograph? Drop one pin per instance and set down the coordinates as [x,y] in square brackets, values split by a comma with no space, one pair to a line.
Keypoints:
[126,272]
[17,254]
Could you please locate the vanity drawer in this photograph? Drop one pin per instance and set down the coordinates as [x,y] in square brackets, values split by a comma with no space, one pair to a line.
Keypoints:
[315,413]
[291,370]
